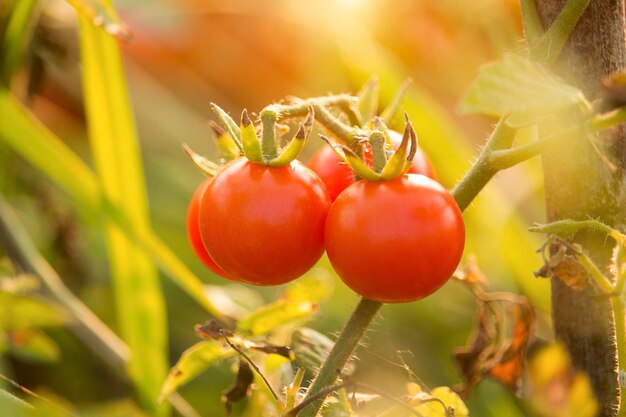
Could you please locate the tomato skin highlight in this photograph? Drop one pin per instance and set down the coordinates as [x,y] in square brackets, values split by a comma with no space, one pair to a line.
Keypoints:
[395,241]
[264,225]
[193,232]
[338,176]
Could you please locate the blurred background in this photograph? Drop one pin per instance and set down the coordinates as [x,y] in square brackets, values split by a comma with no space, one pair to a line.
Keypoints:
[248,53]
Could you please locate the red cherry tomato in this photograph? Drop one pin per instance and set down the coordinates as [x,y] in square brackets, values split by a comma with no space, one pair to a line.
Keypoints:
[193,232]
[338,176]
[395,241]
[264,225]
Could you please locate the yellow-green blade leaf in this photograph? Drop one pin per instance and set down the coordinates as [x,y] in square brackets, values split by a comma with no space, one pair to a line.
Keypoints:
[519,87]
[443,397]
[139,299]
[46,152]
[22,312]
[34,345]
[192,363]
[16,38]
[297,303]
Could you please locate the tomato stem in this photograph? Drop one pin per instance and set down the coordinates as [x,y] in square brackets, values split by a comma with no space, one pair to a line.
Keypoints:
[377,140]
[344,102]
[269,143]
[483,169]
[347,341]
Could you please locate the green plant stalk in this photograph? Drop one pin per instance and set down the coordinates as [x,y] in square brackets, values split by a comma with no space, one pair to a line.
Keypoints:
[619,311]
[617,304]
[594,272]
[345,345]
[533,29]
[483,169]
[269,144]
[16,38]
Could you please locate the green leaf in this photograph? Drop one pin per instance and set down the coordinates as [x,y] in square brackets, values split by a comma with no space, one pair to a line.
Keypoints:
[16,38]
[520,88]
[10,404]
[21,312]
[192,363]
[446,396]
[123,408]
[46,152]
[315,286]
[101,14]
[233,300]
[34,346]
[297,303]
[117,158]
[437,403]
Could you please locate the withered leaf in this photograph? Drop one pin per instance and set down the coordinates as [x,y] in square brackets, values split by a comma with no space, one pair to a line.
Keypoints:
[212,329]
[498,344]
[283,351]
[510,366]
[240,389]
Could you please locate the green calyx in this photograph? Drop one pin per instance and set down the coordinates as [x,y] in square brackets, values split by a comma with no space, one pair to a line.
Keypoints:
[265,150]
[208,168]
[383,168]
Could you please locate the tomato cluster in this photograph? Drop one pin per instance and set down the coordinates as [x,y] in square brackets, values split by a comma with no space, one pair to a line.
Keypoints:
[394,240]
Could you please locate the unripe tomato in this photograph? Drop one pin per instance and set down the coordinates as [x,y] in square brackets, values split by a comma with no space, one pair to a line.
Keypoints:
[395,241]
[193,232]
[338,176]
[264,225]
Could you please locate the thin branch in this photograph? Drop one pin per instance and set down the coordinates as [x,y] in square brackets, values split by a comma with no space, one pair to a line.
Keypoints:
[33,394]
[533,29]
[607,120]
[507,158]
[252,364]
[553,40]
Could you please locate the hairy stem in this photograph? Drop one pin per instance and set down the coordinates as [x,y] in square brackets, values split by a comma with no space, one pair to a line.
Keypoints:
[348,340]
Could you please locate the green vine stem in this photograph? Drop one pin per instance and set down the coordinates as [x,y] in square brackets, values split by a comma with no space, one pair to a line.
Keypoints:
[533,29]
[549,47]
[339,129]
[483,169]
[619,309]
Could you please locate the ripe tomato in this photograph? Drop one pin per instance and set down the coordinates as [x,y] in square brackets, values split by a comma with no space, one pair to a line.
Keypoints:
[193,232]
[264,225]
[338,176]
[395,241]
